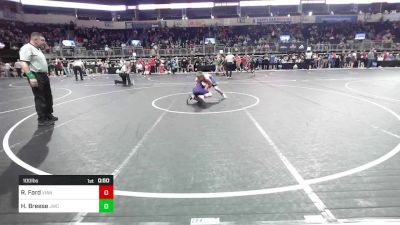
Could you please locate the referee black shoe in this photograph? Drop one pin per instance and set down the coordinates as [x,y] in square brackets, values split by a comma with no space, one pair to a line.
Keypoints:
[45,122]
[52,118]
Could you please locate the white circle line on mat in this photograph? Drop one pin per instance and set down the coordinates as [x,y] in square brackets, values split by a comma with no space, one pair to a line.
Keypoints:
[367,94]
[29,106]
[6,139]
[257,101]
[264,191]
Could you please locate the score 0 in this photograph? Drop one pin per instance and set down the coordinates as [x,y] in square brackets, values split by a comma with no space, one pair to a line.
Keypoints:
[103,180]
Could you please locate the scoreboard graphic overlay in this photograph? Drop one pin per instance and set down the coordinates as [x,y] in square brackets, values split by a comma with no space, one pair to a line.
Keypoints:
[66,193]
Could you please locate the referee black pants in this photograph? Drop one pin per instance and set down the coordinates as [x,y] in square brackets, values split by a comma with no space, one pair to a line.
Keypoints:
[229,68]
[43,97]
[125,77]
[76,70]
[19,72]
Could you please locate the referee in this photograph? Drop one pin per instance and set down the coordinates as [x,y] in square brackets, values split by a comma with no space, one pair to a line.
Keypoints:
[309,58]
[229,60]
[34,65]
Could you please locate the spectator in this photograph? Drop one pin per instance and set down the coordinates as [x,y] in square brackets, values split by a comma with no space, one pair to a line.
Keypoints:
[8,70]
[371,58]
[17,67]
